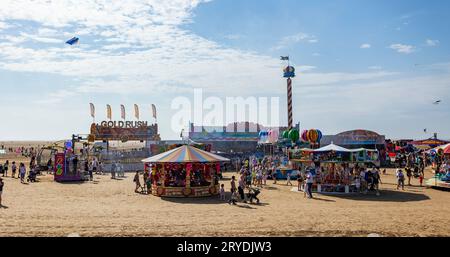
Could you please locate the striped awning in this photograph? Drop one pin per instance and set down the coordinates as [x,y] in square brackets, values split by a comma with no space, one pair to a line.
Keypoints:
[186,154]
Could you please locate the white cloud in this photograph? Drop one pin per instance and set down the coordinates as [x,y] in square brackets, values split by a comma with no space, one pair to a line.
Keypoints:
[404,49]
[375,67]
[3,26]
[431,42]
[294,39]
[365,46]
[233,37]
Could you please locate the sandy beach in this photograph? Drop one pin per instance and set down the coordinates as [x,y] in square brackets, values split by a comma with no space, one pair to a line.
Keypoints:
[108,207]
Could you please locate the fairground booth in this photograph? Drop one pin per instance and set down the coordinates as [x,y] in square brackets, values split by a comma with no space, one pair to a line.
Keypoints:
[440,157]
[332,165]
[356,139]
[185,172]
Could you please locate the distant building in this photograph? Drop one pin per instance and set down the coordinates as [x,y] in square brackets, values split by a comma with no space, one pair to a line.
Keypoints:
[236,137]
[358,139]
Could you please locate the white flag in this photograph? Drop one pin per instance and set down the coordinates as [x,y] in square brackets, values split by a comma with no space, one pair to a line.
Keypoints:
[92,110]
[109,111]
[122,109]
[136,111]
[154,111]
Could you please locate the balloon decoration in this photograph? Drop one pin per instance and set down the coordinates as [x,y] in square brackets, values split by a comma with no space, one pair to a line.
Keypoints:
[270,136]
[263,136]
[275,136]
[294,135]
[286,134]
[304,136]
[312,135]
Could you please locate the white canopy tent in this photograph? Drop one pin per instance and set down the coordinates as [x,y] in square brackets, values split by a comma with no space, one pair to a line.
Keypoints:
[333,147]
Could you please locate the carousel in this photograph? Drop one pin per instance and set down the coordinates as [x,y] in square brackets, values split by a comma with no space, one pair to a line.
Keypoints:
[184,172]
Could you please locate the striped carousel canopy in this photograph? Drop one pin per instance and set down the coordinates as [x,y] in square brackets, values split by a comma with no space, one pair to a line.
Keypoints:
[185,154]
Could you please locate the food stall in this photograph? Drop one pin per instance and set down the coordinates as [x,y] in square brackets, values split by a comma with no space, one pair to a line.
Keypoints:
[184,172]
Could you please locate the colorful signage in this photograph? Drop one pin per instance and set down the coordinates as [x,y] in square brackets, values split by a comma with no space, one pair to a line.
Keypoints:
[60,166]
[125,131]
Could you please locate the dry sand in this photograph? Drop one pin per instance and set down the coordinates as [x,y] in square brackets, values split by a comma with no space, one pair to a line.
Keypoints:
[108,207]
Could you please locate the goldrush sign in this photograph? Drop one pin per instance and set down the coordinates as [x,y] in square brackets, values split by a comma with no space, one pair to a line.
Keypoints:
[124,131]
[124,124]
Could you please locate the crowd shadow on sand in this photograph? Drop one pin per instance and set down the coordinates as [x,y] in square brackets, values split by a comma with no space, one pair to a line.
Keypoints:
[214,201]
[385,196]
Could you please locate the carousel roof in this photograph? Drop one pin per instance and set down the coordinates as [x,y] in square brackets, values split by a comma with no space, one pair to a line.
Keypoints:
[332,147]
[186,154]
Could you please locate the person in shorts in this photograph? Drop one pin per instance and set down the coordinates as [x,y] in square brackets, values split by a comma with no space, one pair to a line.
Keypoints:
[400,179]
[233,190]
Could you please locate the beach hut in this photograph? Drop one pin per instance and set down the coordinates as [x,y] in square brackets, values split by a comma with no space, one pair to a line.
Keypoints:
[184,172]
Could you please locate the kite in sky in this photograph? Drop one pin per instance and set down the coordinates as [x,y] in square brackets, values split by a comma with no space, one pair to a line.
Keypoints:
[72,41]
[437,102]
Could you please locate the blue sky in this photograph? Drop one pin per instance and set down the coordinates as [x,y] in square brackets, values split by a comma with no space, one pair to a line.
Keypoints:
[375,64]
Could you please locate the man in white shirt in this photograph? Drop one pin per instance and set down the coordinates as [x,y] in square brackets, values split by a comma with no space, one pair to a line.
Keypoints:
[309,184]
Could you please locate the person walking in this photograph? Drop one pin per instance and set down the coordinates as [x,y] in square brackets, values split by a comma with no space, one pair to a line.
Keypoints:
[88,169]
[94,165]
[120,171]
[113,170]
[242,187]
[13,170]
[49,166]
[400,179]
[363,180]
[100,168]
[22,171]
[299,181]
[421,177]
[376,179]
[222,192]
[6,167]
[309,184]
[274,174]
[146,176]
[233,191]
[409,175]
[137,181]
[288,178]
